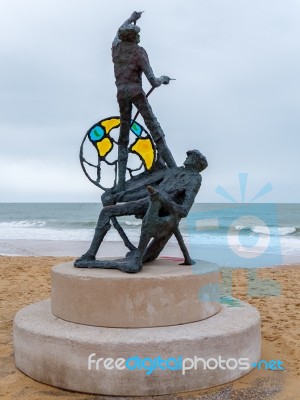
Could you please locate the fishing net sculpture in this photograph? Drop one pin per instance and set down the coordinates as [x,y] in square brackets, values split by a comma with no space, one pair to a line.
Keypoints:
[156,190]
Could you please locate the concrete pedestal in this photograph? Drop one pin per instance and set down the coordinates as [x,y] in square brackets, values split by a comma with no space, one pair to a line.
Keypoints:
[162,294]
[56,352]
[117,316]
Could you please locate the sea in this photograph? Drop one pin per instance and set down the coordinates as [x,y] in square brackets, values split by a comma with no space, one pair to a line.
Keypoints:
[271,230]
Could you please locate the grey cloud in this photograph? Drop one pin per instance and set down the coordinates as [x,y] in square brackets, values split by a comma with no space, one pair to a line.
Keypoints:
[235,98]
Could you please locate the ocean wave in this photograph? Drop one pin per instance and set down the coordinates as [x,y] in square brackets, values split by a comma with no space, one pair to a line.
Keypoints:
[89,224]
[43,233]
[133,223]
[58,224]
[276,231]
[285,244]
[247,229]
[22,224]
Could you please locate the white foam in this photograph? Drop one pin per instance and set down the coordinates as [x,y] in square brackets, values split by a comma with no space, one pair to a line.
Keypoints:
[133,223]
[280,231]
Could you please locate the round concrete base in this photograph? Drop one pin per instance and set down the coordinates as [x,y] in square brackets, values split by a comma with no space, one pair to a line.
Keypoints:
[162,294]
[57,352]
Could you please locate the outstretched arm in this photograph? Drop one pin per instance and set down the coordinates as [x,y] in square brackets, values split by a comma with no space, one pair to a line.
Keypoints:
[133,18]
[135,189]
[146,68]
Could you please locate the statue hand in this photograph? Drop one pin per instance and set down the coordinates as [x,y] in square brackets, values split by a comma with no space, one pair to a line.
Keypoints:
[154,194]
[150,189]
[136,15]
[165,79]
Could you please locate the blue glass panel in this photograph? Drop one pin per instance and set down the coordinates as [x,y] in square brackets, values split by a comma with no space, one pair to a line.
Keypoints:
[96,134]
[136,129]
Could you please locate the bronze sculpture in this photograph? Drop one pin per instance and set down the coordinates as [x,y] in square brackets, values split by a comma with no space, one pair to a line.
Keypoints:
[130,61]
[160,196]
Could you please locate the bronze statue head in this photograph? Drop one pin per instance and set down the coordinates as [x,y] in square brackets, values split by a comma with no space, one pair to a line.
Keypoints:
[195,160]
[129,33]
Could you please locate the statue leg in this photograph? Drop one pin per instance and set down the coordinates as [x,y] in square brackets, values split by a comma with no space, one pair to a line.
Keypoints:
[150,220]
[156,247]
[125,114]
[142,104]
[103,224]
[102,228]
[135,257]
[183,248]
[156,227]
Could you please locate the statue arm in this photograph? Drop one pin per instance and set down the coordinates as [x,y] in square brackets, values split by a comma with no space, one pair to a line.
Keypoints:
[171,206]
[147,69]
[133,18]
[108,198]
[190,194]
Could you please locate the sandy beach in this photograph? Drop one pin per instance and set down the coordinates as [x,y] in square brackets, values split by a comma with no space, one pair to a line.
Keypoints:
[27,279]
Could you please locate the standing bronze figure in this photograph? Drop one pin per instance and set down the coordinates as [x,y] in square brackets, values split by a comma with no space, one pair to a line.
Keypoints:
[130,61]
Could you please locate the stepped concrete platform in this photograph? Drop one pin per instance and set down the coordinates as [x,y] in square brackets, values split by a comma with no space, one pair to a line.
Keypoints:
[56,352]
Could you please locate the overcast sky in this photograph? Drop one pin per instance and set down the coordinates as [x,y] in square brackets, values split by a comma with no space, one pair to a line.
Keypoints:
[236,96]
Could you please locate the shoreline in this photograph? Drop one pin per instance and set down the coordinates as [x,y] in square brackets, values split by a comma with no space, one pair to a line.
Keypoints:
[75,248]
[68,248]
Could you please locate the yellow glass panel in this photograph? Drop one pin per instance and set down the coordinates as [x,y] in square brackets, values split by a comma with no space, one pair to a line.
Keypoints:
[144,148]
[104,146]
[109,124]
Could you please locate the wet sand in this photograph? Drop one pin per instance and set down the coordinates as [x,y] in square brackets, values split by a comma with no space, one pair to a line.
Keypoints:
[68,248]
